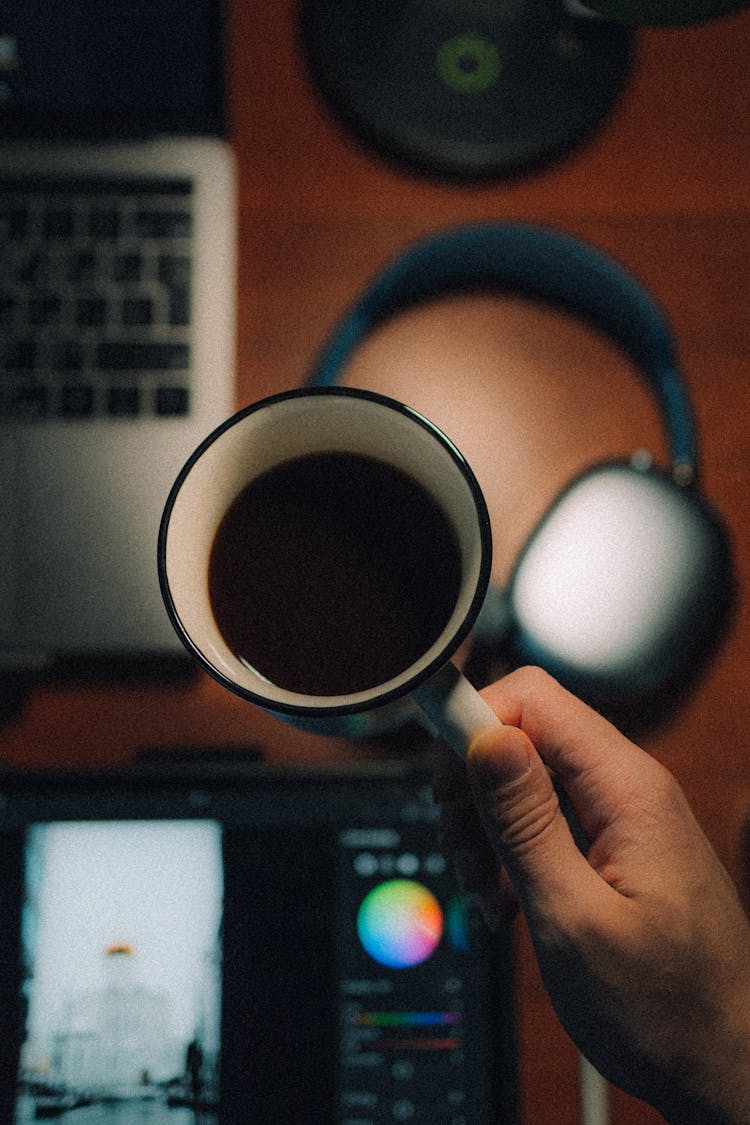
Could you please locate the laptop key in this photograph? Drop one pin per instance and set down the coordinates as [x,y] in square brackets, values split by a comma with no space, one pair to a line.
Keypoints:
[137,312]
[33,268]
[104,222]
[123,402]
[124,355]
[179,307]
[68,355]
[59,222]
[44,309]
[13,222]
[8,306]
[174,269]
[91,312]
[19,355]
[127,267]
[26,400]
[82,266]
[163,224]
[171,401]
[77,401]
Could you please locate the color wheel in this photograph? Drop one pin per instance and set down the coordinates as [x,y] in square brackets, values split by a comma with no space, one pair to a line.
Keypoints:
[400,923]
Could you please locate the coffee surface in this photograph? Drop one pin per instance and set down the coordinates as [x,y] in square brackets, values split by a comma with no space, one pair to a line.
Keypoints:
[332,573]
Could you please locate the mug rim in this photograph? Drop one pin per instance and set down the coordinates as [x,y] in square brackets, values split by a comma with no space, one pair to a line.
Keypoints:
[379,699]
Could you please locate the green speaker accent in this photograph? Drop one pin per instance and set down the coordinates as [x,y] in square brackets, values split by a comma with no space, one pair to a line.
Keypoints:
[468,64]
[665,13]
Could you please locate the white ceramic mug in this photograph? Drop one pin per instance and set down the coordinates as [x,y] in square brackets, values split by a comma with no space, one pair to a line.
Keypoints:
[330,420]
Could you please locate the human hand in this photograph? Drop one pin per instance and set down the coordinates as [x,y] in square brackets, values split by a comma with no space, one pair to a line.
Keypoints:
[642,942]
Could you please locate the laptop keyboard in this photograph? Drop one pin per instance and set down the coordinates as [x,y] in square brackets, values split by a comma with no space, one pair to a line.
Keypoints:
[95,298]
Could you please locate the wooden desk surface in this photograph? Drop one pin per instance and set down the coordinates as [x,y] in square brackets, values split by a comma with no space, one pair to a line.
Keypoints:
[529,396]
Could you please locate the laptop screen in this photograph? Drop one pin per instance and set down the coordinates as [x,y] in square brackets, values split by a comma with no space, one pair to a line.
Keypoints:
[96,69]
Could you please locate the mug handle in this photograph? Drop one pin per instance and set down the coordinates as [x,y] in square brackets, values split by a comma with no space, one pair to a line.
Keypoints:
[451,709]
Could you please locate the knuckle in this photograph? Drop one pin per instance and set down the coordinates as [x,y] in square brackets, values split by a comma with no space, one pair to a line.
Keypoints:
[533,678]
[524,816]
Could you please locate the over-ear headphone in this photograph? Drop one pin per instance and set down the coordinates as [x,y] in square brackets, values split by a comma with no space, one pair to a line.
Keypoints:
[625,586]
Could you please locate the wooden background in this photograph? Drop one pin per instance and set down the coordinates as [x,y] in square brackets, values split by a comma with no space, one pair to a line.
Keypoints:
[530,397]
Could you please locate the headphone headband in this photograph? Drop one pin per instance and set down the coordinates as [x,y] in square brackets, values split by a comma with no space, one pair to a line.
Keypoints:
[542,264]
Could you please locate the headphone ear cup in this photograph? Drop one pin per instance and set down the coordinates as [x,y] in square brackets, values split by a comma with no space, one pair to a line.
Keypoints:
[622,588]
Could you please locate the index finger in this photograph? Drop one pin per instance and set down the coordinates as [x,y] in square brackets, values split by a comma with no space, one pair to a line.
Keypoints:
[597,765]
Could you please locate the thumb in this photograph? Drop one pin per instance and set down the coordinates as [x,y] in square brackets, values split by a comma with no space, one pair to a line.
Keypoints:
[521,815]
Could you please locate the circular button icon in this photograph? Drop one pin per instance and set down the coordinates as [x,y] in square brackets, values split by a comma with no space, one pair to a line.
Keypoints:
[468,63]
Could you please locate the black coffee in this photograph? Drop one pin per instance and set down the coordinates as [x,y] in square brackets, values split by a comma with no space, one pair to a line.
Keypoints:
[332,573]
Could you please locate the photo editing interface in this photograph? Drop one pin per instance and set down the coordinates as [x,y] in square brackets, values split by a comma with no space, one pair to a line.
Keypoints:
[262,948]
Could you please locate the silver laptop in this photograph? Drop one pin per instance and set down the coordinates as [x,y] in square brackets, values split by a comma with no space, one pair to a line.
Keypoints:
[117,301]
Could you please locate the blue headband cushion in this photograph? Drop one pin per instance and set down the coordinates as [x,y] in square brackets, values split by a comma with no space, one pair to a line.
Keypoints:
[542,264]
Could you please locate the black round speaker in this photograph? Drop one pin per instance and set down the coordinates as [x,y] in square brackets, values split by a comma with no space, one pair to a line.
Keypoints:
[465,89]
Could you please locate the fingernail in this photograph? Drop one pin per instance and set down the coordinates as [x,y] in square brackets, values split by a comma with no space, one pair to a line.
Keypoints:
[500,756]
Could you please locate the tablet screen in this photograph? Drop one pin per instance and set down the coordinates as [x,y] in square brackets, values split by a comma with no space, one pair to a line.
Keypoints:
[244,947]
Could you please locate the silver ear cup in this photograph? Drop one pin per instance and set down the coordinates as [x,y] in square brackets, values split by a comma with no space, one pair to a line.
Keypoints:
[621,584]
